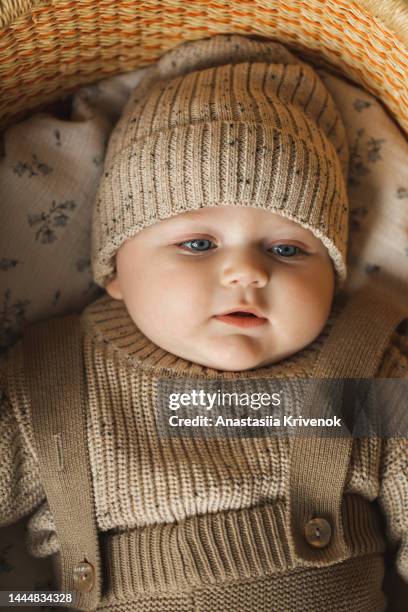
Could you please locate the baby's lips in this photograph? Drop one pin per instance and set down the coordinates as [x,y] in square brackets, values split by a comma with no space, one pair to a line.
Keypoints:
[246,311]
[243,320]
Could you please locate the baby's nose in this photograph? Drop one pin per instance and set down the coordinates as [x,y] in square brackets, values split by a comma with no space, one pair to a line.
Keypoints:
[245,273]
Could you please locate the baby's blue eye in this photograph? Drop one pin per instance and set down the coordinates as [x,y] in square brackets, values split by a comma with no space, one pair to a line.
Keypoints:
[201,245]
[198,244]
[287,250]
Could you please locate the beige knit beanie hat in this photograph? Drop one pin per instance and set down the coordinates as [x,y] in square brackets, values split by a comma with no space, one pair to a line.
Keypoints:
[225,120]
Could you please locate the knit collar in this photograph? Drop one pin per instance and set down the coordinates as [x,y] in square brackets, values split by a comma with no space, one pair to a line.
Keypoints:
[109,324]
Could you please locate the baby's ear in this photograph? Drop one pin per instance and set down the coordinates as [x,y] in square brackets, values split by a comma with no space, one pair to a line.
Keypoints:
[114,290]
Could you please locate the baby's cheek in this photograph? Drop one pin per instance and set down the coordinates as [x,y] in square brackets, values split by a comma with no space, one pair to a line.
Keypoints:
[315,320]
[300,317]
[188,293]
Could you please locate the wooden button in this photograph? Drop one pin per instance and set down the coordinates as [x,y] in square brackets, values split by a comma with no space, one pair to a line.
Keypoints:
[84,577]
[318,532]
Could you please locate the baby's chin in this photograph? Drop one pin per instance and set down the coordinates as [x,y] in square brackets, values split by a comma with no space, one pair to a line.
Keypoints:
[227,358]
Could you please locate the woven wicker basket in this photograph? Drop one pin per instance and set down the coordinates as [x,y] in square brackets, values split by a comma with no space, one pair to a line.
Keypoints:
[49,47]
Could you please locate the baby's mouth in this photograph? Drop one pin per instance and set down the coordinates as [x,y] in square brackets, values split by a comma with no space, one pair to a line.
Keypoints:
[242,319]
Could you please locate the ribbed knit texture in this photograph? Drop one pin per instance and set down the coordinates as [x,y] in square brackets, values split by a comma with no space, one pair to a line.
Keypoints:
[225,121]
[352,585]
[141,480]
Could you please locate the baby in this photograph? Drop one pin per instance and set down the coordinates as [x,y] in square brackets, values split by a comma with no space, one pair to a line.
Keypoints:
[219,234]
[251,160]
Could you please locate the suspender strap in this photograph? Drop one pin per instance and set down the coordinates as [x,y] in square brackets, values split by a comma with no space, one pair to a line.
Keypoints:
[53,364]
[354,349]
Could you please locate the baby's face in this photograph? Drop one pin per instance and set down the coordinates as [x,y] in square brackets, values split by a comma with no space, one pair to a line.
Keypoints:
[179,276]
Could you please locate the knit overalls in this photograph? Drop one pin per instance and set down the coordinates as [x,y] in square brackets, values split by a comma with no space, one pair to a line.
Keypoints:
[275,556]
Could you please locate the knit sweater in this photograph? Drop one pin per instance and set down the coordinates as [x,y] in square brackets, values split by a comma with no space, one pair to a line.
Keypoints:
[138,481]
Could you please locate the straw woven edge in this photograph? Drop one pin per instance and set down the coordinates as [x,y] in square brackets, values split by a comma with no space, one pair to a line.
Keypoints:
[369,14]
[392,13]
